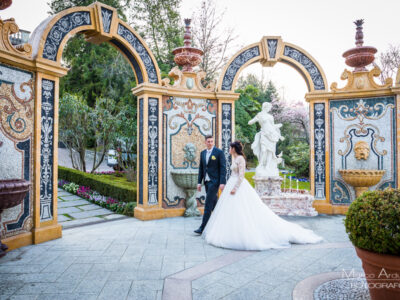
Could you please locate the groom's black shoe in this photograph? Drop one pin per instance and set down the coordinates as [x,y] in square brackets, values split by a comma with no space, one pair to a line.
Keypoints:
[198,231]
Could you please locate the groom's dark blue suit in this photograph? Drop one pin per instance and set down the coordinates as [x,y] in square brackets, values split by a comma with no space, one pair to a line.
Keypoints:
[216,170]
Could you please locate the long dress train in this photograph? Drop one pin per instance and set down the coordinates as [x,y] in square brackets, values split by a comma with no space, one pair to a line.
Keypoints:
[243,222]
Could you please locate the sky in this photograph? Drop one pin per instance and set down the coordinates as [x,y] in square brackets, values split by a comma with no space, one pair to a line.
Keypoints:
[324,28]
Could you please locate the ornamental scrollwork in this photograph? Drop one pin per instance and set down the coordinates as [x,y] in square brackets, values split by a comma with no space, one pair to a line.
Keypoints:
[236,64]
[8,27]
[60,29]
[308,64]
[106,16]
[46,151]
[141,50]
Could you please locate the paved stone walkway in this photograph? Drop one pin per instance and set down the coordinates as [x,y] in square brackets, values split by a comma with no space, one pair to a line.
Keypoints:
[132,259]
[74,211]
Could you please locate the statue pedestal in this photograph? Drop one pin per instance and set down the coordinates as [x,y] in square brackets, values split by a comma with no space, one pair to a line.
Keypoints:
[291,204]
[294,203]
[268,185]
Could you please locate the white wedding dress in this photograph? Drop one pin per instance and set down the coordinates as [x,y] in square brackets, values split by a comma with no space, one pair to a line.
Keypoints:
[243,222]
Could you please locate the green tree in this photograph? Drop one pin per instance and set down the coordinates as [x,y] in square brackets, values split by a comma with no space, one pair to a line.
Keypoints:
[79,123]
[94,70]
[246,107]
[58,5]
[125,140]
[160,24]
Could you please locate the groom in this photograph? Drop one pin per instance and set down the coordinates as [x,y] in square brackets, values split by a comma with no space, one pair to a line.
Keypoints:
[212,170]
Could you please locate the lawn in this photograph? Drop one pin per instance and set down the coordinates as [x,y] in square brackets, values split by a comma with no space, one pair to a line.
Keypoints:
[302,185]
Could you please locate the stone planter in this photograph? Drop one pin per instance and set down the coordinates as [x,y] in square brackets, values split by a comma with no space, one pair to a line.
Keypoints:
[382,272]
[12,193]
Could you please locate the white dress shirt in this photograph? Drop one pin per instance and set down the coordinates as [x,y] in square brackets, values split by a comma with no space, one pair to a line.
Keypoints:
[208,155]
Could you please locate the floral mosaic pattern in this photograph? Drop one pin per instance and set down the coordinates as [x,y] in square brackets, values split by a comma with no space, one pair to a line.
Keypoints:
[46,151]
[319,150]
[308,64]
[60,29]
[16,129]
[153,151]
[185,121]
[235,65]
[106,16]
[141,50]
[141,148]
[16,102]
[272,45]
[368,120]
[227,135]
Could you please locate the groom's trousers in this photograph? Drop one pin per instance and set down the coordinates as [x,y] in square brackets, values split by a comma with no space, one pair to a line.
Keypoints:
[211,201]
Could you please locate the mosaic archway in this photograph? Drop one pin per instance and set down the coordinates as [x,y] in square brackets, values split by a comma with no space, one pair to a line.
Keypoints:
[99,23]
[268,52]
[29,80]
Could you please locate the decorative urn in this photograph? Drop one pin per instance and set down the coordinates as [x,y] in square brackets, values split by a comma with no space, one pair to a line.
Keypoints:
[5,3]
[187,56]
[361,180]
[12,193]
[360,56]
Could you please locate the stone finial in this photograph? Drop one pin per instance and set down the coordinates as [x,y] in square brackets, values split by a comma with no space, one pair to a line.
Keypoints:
[359,32]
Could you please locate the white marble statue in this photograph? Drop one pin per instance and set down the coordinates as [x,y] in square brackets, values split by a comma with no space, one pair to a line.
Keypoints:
[264,145]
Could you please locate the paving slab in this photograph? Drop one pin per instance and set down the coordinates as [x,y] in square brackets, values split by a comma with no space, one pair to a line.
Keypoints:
[68,210]
[132,259]
[88,206]
[91,213]
[62,204]
[62,218]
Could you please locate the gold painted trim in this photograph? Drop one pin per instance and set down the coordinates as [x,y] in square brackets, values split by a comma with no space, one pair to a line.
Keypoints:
[36,151]
[327,153]
[54,20]
[309,56]
[154,89]
[253,60]
[265,60]
[397,82]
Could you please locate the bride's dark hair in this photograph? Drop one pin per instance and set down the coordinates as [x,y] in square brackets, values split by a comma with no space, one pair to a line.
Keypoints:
[237,145]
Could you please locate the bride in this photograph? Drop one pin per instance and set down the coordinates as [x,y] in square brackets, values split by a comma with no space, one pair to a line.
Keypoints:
[242,221]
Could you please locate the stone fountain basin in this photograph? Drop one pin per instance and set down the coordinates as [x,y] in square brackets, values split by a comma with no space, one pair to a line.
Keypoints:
[185,179]
[12,192]
[362,178]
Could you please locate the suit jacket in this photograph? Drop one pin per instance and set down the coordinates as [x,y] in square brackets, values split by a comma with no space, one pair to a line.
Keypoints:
[216,167]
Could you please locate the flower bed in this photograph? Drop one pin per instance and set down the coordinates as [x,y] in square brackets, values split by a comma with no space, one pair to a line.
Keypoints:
[87,193]
[111,185]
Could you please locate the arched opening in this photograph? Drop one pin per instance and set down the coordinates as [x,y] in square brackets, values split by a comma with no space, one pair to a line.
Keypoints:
[99,23]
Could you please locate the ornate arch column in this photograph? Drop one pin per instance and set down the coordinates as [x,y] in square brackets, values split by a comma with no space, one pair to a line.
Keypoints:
[34,69]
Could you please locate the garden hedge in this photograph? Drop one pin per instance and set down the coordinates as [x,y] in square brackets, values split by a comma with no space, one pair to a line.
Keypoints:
[100,184]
